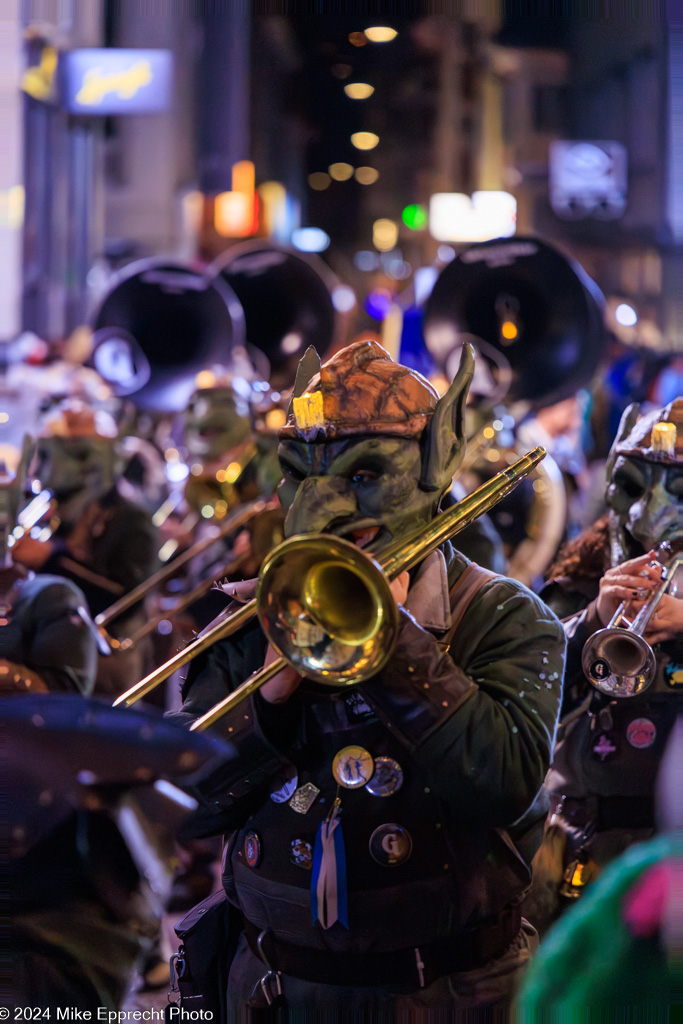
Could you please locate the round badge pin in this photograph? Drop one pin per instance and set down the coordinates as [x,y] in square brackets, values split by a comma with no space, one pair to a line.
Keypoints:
[641,733]
[390,845]
[353,767]
[599,669]
[387,777]
[252,849]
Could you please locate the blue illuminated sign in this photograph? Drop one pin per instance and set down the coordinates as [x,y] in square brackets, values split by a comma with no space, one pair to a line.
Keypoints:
[116,81]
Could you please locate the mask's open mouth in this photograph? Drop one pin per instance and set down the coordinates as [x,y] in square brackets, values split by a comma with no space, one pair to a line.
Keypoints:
[364,537]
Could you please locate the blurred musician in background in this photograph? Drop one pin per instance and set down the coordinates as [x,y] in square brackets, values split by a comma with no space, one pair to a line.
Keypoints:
[425,765]
[613,732]
[96,537]
[47,639]
[232,457]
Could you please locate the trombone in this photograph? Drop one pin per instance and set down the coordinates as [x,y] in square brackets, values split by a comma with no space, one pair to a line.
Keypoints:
[234,522]
[617,660]
[261,543]
[327,608]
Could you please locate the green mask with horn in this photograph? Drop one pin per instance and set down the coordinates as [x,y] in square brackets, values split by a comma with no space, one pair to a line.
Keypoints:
[369,448]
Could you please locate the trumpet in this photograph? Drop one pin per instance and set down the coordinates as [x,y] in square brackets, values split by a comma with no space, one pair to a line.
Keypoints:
[617,660]
[327,608]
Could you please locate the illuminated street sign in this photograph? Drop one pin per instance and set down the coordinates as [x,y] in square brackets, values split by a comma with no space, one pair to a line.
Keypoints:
[588,179]
[116,81]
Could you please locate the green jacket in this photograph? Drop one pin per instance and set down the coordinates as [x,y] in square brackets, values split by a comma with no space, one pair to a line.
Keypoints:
[471,728]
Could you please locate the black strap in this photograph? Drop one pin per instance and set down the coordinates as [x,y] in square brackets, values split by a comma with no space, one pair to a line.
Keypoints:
[412,968]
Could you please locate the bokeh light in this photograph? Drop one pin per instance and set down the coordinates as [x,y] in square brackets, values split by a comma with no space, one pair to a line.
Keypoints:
[319,180]
[340,171]
[381,34]
[384,234]
[414,216]
[625,315]
[359,90]
[366,175]
[364,140]
[310,239]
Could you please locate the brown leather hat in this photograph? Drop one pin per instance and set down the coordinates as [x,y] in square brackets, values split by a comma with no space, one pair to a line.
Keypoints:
[361,390]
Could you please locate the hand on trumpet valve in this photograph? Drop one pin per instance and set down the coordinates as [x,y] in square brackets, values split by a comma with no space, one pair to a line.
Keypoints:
[666,622]
[629,583]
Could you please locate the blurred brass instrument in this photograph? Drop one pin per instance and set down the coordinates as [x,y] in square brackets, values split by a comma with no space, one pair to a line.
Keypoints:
[209,495]
[234,522]
[494,445]
[39,508]
[617,660]
[265,528]
[534,318]
[327,608]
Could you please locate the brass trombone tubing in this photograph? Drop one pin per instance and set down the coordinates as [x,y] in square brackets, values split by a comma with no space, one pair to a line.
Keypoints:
[223,626]
[401,555]
[184,601]
[398,557]
[238,519]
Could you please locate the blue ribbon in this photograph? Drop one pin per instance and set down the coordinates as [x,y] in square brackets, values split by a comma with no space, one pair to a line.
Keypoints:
[328,877]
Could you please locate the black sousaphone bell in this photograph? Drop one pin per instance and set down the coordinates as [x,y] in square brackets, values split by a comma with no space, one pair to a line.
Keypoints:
[287,302]
[159,325]
[537,313]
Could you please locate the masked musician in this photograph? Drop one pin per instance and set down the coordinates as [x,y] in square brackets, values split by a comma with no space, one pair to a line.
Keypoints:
[47,639]
[231,463]
[102,541]
[367,845]
[602,781]
[636,902]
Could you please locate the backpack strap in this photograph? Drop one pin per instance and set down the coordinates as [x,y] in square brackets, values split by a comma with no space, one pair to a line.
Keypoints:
[467,585]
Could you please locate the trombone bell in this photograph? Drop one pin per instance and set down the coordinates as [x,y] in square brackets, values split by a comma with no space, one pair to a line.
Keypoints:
[328,609]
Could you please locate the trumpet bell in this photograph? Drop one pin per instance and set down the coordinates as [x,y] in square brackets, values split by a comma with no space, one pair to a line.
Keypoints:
[618,662]
[328,609]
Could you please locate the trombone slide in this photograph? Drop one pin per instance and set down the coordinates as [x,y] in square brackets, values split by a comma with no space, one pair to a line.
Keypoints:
[372,652]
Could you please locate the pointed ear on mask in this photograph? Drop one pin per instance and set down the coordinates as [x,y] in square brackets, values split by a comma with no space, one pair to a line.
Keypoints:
[445,443]
[309,365]
[628,420]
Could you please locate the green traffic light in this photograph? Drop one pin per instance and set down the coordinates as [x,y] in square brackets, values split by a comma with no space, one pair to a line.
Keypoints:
[414,217]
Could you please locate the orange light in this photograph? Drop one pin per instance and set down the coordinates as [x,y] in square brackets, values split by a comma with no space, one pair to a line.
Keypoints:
[233,215]
[243,177]
[236,212]
[509,330]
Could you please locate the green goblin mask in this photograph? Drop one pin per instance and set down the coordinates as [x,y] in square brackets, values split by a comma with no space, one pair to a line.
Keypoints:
[76,458]
[368,449]
[645,481]
[217,420]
